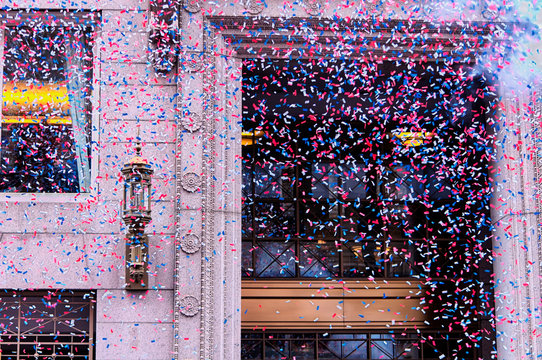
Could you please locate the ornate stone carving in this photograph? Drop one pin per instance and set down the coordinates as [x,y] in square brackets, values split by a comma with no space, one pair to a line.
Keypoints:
[179,256]
[373,8]
[192,6]
[191,122]
[192,62]
[490,10]
[189,305]
[313,7]
[190,243]
[208,275]
[254,7]
[191,182]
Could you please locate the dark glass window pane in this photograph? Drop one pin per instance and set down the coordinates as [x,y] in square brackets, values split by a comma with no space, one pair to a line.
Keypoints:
[277,349]
[46,324]
[274,219]
[273,180]
[274,259]
[247,266]
[302,350]
[251,350]
[354,349]
[319,259]
[361,259]
[384,189]
[329,350]
[38,158]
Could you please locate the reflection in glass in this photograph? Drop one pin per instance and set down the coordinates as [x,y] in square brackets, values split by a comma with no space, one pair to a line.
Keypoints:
[274,259]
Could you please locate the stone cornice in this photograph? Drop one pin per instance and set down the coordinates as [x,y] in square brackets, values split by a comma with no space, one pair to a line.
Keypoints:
[339,38]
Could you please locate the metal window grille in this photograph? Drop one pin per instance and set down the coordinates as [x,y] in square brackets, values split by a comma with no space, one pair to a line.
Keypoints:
[46,325]
[259,345]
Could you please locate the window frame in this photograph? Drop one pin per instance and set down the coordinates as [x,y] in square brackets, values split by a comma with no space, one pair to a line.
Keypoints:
[63,18]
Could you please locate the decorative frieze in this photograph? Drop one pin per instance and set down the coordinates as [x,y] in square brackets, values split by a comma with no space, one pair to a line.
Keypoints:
[208,275]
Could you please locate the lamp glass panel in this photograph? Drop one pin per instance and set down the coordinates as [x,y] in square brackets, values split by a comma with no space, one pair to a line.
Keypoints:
[126,195]
[149,196]
[137,197]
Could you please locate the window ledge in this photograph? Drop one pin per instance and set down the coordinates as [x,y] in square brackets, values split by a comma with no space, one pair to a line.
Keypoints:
[47,197]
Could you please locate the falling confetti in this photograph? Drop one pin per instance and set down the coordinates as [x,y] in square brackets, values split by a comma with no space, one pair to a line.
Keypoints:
[376,145]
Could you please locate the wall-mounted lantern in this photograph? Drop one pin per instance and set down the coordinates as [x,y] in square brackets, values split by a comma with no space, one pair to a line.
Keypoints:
[136,213]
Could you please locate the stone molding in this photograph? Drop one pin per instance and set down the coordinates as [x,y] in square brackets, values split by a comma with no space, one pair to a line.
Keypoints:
[210,300]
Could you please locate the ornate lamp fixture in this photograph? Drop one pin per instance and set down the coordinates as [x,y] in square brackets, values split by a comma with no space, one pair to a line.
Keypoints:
[136,213]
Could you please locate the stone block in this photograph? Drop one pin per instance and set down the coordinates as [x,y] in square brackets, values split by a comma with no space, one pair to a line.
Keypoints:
[135,74]
[139,102]
[161,156]
[124,20]
[123,47]
[121,341]
[149,131]
[153,306]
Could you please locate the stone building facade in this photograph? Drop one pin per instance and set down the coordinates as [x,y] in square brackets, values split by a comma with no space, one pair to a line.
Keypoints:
[170,74]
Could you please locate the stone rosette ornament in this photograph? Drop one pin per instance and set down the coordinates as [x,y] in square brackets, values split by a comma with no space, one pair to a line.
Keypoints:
[192,62]
[191,182]
[313,7]
[190,243]
[490,10]
[254,7]
[189,306]
[192,6]
[191,122]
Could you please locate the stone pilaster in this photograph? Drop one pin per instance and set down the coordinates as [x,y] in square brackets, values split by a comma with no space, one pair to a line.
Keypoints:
[208,193]
[516,234]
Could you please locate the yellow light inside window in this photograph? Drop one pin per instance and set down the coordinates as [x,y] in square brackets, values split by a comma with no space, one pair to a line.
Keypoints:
[32,103]
[248,137]
[409,138]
